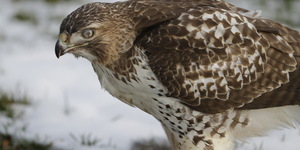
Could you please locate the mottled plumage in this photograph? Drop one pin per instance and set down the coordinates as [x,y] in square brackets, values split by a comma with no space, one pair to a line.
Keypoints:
[210,72]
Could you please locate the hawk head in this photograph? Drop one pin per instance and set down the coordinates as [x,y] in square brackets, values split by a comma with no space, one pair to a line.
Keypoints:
[96,31]
[100,32]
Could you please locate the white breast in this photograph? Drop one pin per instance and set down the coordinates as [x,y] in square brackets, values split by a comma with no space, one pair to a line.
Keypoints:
[139,92]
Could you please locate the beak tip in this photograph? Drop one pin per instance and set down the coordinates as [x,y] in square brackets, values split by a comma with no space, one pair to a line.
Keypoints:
[58,50]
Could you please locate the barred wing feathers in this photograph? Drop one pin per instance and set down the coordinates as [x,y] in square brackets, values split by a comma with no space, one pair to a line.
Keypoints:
[215,60]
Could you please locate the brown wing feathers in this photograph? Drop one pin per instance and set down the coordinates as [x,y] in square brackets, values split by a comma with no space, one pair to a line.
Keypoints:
[214,60]
[283,55]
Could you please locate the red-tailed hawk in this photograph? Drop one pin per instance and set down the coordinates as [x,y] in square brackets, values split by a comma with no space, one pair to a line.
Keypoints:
[209,71]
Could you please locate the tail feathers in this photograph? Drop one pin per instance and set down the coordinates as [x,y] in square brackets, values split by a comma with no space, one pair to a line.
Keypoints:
[294,113]
[261,121]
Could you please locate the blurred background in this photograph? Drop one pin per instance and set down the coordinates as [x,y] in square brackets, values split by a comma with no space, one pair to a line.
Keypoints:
[51,104]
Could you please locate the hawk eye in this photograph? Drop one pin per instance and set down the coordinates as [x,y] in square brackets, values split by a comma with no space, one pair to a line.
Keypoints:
[87,33]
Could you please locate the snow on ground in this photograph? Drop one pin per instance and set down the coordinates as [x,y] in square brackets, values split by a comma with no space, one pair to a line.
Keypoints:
[28,62]
[68,101]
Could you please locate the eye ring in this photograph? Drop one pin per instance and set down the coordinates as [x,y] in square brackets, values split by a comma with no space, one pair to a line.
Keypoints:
[87,33]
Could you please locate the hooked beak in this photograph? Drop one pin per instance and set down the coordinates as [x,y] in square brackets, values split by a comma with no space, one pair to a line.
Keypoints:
[62,47]
[59,50]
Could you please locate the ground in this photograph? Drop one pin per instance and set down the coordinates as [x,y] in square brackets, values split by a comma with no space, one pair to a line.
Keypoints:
[68,104]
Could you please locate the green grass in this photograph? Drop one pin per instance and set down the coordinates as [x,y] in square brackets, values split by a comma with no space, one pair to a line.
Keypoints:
[85,139]
[57,1]
[24,16]
[47,1]
[7,101]
[150,144]
[8,140]
[91,141]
